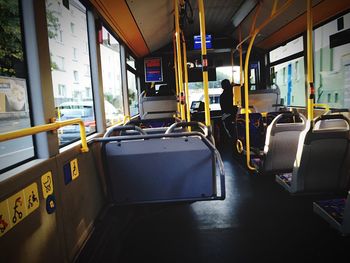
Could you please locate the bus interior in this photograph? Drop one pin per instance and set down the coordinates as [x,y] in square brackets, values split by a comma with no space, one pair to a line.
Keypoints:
[116,146]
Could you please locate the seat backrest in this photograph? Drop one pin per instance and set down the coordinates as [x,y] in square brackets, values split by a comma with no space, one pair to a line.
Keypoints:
[165,90]
[263,100]
[157,107]
[256,126]
[321,155]
[281,143]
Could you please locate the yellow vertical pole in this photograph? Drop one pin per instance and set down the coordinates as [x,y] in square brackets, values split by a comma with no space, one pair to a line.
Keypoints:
[187,95]
[310,69]
[246,101]
[232,65]
[241,77]
[179,59]
[204,61]
[176,76]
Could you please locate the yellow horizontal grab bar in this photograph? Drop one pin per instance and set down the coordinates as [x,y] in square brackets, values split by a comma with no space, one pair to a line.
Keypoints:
[322,105]
[45,128]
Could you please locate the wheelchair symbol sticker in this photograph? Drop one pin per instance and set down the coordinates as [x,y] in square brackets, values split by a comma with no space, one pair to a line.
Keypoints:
[47,184]
[74,168]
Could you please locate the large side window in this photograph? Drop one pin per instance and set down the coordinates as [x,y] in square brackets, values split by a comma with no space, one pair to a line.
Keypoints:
[196,88]
[14,106]
[70,66]
[111,77]
[132,93]
[287,72]
[332,63]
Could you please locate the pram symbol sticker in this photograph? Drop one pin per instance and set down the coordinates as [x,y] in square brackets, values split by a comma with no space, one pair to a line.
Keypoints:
[47,184]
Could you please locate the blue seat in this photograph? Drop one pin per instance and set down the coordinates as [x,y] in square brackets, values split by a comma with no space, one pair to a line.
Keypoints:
[256,126]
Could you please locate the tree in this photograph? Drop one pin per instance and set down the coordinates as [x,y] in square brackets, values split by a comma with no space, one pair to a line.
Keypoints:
[11,49]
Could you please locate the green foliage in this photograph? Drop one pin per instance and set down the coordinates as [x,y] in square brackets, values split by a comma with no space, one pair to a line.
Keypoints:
[11,50]
[53,24]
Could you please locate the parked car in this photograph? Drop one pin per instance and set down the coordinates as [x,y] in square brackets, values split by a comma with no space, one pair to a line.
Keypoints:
[85,111]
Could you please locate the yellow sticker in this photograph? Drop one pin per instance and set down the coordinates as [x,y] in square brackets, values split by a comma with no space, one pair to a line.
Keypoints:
[74,169]
[31,196]
[5,224]
[47,184]
[17,208]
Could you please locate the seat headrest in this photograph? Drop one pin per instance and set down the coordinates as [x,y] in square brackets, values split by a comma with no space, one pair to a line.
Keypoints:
[165,90]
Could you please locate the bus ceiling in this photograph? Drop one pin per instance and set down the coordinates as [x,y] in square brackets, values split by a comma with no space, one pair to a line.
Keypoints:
[150,24]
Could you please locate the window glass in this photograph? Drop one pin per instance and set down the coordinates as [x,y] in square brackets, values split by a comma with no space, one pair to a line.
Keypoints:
[196,92]
[67,30]
[14,106]
[131,61]
[287,50]
[290,78]
[332,63]
[132,94]
[111,77]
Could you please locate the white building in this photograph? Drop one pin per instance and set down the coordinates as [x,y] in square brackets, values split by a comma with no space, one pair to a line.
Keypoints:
[70,53]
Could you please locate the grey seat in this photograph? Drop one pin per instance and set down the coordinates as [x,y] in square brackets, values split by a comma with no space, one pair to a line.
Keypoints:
[157,177]
[320,158]
[281,144]
[157,107]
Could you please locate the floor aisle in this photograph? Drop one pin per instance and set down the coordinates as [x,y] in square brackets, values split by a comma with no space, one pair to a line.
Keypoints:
[257,222]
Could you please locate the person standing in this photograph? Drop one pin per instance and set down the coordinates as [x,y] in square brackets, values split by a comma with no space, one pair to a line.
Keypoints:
[228,110]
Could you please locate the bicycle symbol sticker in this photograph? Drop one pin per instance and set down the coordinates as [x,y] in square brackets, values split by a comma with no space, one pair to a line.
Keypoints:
[47,184]
[17,208]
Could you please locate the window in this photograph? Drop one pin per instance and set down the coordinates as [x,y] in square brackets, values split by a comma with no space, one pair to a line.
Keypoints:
[75,54]
[290,82]
[76,76]
[289,49]
[131,61]
[60,63]
[73,98]
[289,75]
[58,34]
[332,63]
[14,105]
[62,91]
[111,78]
[72,28]
[132,94]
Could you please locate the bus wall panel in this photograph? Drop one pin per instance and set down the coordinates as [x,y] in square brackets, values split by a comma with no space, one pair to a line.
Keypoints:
[36,237]
[81,199]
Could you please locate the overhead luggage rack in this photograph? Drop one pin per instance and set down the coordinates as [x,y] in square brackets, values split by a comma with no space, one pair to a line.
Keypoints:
[171,167]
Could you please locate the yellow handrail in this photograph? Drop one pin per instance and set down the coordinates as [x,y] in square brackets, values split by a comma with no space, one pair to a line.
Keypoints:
[310,69]
[126,119]
[204,61]
[322,105]
[45,128]
[187,94]
[176,78]
[273,15]
[179,59]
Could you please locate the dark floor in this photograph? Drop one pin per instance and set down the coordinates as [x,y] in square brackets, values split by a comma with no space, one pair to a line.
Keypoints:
[258,222]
